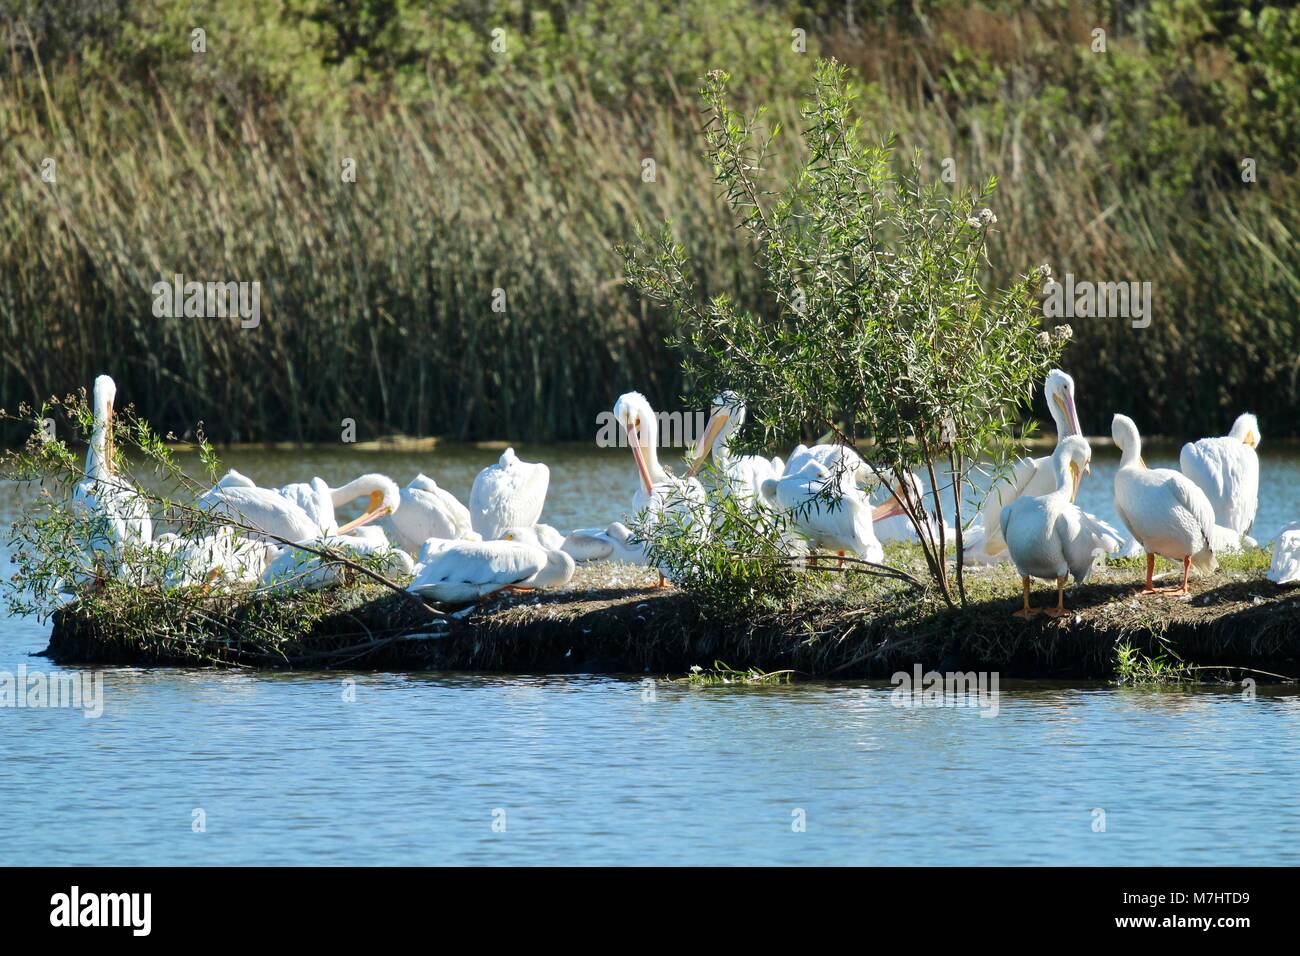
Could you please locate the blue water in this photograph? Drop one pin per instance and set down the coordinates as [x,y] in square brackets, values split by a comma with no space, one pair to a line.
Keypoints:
[417,768]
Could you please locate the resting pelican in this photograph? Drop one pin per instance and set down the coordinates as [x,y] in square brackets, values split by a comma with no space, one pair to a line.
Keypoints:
[103,494]
[509,494]
[744,475]
[319,500]
[1227,470]
[604,544]
[844,525]
[1049,536]
[1285,568]
[840,460]
[427,511]
[459,571]
[295,569]
[1032,477]
[223,556]
[1162,509]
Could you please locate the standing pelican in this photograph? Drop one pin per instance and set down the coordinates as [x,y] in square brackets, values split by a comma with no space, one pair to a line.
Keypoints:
[459,571]
[744,475]
[659,495]
[1032,476]
[657,488]
[1162,509]
[1049,536]
[427,511]
[509,494]
[844,524]
[103,494]
[1227,470]
[1285,568]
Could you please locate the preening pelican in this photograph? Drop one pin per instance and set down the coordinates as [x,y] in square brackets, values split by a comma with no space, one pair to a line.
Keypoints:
[1162,509]
[604,544]
[461,571]
[295,569]
[1227,470]
[1031,477]
[509,494]
[427,511]
[1285,568]
[842,525]
[744,475]
[1049,536]
[319,500]
[103,494]
[263,509]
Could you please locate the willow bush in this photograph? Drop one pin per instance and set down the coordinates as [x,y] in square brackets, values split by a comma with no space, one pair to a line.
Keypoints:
[882,330]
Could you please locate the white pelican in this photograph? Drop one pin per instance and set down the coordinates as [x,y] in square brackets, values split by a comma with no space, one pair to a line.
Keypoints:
[509,494]
[456,572]
[1032,476]
[103,494]
[427,511]
[840,460]
[1285,568]
[319,500]
[1049,536]
[223,556]
[604,544]
[744,475]
[1227,470]
[1162,509]
[294,569]
[659,494]
[844,525]
[263,509]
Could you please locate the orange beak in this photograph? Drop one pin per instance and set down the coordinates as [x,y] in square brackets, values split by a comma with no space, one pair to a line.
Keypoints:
[716,422]
[634,438]
[888,509]
[374,510]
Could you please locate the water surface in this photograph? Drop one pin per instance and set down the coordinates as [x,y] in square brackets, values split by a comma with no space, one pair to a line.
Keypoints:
[417,768]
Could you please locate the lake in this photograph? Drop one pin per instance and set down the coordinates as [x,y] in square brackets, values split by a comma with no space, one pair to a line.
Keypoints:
[338,768]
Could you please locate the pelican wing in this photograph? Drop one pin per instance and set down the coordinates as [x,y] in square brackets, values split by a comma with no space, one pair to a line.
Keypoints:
[314,499]
[1227,470]
[469,569]
[262,509]
[1004,492]
[509,494]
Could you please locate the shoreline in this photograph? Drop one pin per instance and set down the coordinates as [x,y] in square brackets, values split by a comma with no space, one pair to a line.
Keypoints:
[612,620]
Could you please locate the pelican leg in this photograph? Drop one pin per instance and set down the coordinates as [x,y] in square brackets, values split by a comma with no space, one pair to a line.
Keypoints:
[1151,568]
[663,581]
[1027,611]
[1187,569]
[1059,610]
[840,564]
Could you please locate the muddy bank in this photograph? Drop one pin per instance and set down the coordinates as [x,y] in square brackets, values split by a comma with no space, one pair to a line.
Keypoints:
[613,620]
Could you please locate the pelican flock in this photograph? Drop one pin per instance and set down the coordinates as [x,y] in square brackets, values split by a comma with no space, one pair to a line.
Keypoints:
[289,537]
